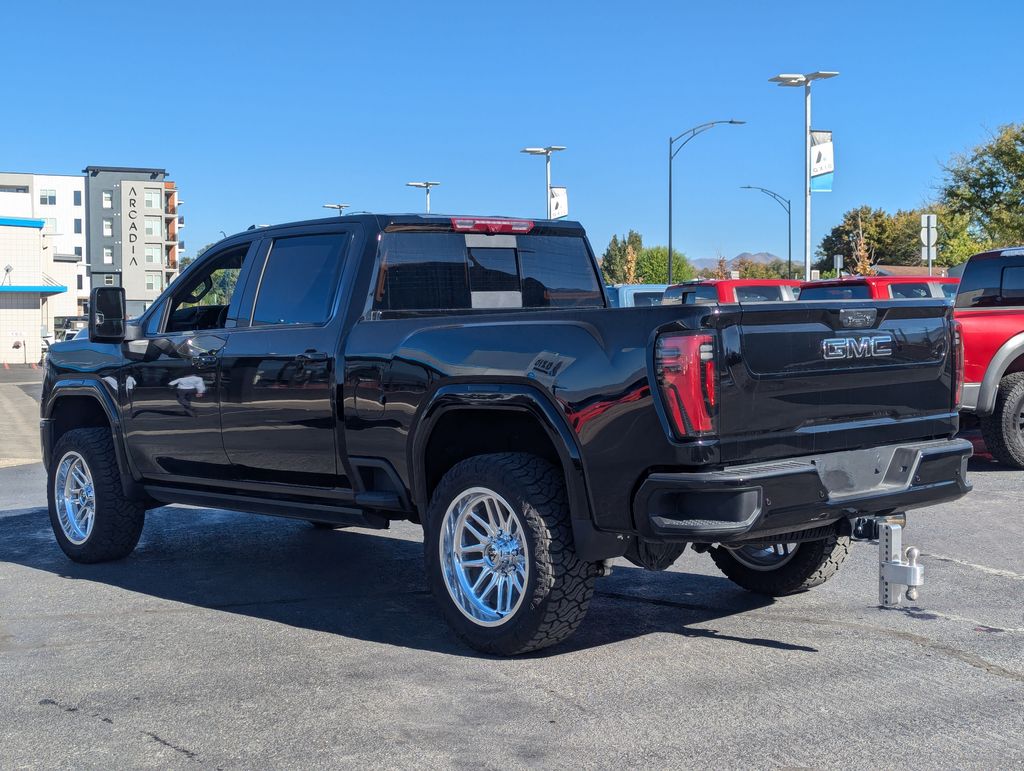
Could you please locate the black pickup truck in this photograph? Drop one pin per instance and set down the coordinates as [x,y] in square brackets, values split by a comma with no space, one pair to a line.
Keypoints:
[465,373]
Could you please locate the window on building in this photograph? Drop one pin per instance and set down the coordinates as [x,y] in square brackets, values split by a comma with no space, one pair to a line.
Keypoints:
[153,283]
[153,254]
[13,188]
[81,281]
[78,225]
[154,199]
[48,197]
[50,225]
[108,199]
[108,255]
[108,279]
[154,227]
[78,251]
[77,195]
[300,280]
[108,228]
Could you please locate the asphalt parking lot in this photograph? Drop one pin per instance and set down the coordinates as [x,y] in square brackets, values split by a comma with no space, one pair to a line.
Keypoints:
[229,640]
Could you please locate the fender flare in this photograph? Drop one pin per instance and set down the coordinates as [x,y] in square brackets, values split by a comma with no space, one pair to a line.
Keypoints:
[1008,352]
[93,389]
[591,544]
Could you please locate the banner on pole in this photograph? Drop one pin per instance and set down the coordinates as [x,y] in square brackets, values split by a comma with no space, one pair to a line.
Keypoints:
[559,203]
[823,164]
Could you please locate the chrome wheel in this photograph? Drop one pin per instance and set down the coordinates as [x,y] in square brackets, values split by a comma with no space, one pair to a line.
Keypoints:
[765,557]
[75,498]
[484,556]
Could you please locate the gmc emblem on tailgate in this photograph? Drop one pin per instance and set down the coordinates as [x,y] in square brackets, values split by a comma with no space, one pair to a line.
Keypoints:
[875,347]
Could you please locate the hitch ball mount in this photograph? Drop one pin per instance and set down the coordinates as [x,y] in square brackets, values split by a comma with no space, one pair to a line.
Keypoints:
[899,574]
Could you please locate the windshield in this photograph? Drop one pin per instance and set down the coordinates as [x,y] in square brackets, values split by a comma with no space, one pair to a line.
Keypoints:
[833,292]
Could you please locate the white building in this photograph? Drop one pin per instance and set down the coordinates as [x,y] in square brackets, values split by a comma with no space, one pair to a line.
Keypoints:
[58,200]
[31,290]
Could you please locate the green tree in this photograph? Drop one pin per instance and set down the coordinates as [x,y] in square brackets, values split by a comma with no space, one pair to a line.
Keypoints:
[986,185]
[652,266]
[613,262]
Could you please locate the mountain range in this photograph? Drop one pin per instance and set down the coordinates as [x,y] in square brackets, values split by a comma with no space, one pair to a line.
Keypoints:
[712,262]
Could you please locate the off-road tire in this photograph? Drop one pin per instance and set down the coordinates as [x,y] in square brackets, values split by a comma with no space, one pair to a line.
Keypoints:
[1001,430]
[118,519]
[812,565]
[560,584]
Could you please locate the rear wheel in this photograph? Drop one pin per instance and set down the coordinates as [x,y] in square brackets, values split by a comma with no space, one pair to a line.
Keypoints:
[783,568]
[499,554]
[1003,430]
[92,518]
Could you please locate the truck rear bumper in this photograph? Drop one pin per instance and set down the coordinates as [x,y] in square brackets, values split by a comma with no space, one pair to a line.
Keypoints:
[796,494]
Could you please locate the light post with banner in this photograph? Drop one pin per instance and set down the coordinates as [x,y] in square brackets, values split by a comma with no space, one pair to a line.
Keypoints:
[793,80]
[546,152]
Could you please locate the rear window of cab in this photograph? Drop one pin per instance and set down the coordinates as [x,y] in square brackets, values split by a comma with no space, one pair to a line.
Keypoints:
[455,271]
[833,292]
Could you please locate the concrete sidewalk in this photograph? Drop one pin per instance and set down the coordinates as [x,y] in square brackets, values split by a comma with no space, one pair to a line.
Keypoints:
[19,420]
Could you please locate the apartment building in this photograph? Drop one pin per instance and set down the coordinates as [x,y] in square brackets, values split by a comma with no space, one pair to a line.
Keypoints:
[59,201]
[132,231]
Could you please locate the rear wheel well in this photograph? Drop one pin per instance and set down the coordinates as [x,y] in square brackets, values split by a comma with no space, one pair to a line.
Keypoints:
[1017,365]
[461,434]
[76,412]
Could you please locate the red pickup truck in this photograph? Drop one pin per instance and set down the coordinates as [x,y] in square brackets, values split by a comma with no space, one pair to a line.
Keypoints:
[731,290]
[879,288]
[990,313]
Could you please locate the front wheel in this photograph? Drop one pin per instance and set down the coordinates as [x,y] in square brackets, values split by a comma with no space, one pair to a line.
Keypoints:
[92,518]
[783,568]
[499,554]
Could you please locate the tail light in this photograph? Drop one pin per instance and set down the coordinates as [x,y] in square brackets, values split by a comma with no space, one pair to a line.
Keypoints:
[684,365]
[958,363]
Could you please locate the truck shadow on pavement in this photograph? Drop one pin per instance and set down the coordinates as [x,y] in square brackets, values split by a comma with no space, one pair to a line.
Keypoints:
[352,583]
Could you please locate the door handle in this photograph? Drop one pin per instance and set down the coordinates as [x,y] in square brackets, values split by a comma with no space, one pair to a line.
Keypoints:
[204,361]
[311,356]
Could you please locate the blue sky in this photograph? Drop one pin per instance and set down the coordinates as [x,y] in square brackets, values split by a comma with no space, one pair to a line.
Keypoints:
[262,112]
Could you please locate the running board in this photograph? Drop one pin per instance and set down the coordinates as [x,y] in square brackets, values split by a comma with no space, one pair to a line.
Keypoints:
[318,512]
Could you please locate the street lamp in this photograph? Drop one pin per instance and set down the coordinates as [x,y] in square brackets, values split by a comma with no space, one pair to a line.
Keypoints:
[688,134]
[786,204]
[546,152]
[792,81]
[339,206]
[426,186]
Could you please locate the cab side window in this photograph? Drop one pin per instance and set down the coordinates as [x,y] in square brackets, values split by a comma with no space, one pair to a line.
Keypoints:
[201,301]
[300,280]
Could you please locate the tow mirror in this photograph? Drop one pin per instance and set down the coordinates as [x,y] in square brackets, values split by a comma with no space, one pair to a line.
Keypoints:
[107,314]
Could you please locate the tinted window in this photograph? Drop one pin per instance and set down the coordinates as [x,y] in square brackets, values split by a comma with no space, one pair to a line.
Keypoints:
[558,273]
[435,271]
[300,280]
[1012,286]
[949,290]
[646,298]
[759,294]
[422,271]
[909,291]
[493,270]
[990,281]
[703,295]
[851,292]
[673,296]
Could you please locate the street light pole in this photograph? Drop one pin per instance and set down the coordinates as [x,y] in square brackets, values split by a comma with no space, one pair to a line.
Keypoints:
[546,152]
[793,80]
[688,134]
[426,186]
[786,204]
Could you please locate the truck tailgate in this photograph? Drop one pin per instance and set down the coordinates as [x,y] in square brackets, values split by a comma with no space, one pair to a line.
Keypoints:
[821,377]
